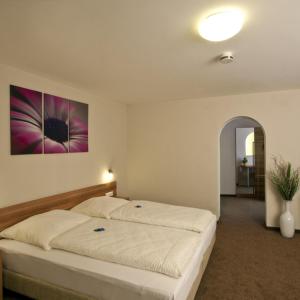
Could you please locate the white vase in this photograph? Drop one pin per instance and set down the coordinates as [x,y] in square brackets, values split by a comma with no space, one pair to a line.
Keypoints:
[287,224]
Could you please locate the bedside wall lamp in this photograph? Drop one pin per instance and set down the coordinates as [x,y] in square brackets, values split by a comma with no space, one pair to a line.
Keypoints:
[108,176]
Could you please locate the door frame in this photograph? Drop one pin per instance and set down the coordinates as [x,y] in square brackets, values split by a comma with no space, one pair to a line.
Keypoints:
[219,161]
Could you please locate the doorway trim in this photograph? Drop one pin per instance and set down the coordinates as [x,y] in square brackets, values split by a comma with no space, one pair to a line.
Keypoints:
[219,161]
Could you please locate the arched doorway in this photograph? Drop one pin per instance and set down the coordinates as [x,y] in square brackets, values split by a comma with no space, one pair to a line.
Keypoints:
[242,167]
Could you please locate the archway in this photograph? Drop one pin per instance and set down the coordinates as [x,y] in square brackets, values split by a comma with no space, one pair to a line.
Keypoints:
[242,167]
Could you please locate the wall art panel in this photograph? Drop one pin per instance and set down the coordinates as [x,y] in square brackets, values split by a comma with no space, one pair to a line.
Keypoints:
[56,124]
[25,121]
[78,133]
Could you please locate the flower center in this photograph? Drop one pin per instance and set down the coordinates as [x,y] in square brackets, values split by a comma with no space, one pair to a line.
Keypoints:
[56,130]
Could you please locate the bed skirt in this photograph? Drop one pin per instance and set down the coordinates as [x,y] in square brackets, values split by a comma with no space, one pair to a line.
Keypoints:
[38,289]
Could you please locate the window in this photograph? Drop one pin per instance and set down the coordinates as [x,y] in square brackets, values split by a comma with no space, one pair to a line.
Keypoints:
[249,144]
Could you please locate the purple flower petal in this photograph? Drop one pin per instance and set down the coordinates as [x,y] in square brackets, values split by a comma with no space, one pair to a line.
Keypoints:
[26,121]
[78,127]
[55,147]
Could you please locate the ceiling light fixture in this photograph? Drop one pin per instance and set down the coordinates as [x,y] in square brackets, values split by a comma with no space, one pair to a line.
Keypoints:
[222,25]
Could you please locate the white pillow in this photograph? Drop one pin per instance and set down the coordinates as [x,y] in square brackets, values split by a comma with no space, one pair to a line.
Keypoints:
[39,230]
[100,207]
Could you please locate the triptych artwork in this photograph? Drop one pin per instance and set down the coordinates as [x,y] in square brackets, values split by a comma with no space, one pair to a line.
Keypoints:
[43,123]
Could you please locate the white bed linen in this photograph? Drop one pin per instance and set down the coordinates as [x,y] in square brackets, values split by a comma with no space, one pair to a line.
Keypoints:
[154,248]
[99,279]
[100,207]
[41,229]
[155,213]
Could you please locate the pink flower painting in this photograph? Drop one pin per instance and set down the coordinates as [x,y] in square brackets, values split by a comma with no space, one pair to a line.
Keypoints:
[62,128]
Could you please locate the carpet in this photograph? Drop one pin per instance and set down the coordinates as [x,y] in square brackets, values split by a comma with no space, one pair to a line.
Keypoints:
[248,260]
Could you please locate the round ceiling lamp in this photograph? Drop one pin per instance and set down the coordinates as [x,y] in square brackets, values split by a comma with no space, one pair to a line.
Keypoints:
[222,25]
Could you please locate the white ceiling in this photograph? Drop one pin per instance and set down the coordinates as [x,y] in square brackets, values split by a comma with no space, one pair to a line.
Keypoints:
[148,50]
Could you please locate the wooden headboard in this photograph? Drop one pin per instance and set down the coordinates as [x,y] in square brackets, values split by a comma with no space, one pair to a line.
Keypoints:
[11,215]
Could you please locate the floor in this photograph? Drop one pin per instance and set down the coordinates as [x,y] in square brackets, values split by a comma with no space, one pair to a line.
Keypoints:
[8,295]
[245,190]
[249,262]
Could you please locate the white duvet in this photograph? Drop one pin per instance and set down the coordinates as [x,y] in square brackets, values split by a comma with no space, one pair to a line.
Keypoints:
[154,213]
[158,249]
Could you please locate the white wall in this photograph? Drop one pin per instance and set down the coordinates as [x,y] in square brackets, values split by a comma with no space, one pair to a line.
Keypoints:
[26,177]
[174,151]
[228,154]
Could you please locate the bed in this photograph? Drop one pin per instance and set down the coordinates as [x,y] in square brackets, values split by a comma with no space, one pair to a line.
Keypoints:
[57,274]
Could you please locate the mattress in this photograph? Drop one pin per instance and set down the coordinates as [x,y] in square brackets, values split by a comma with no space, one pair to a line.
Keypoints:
[99,279]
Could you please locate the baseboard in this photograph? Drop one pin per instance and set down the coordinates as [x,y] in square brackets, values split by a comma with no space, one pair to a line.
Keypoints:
[245,196]
[277,228]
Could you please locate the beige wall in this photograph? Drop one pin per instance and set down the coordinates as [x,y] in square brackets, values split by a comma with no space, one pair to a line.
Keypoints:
[26,177]
[174,147]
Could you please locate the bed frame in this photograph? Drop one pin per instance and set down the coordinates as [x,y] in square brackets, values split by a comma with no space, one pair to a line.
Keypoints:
[38,289]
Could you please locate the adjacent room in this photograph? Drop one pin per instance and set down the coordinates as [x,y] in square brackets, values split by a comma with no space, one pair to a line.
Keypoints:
[149,150]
